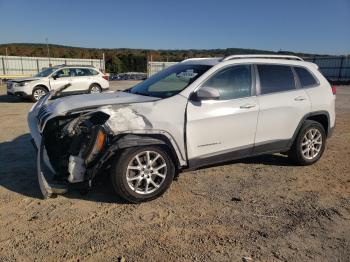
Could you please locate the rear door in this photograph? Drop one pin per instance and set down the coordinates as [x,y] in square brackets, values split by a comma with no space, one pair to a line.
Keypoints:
[282,107]
[82,79]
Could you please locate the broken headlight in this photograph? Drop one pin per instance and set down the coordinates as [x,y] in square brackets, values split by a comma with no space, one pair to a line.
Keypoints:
[96,144]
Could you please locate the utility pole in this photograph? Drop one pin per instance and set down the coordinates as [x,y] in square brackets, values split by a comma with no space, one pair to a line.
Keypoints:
[104,62]
[48,51]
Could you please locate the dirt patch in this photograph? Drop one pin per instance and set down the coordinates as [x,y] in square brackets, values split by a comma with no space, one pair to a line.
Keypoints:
[262,208]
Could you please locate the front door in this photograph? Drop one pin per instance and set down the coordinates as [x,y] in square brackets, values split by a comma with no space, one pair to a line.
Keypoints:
[223,129]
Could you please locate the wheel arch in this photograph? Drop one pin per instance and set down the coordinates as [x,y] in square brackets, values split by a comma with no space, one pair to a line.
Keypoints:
[321,117]
[41,85]
[135,140]
[95,83]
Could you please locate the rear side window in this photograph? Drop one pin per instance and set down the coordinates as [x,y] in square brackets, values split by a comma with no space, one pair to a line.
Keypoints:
[82,72]
[305,77]
[275,78]
[233,82]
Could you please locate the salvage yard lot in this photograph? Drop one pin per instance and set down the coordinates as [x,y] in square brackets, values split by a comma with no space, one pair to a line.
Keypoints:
[263,207]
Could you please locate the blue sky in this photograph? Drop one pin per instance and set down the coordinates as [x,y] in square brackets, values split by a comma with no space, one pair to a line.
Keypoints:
[315,26]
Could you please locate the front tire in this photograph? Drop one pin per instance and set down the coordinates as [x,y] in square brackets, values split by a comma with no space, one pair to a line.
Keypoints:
[310,143]
[142,173]
[38,92]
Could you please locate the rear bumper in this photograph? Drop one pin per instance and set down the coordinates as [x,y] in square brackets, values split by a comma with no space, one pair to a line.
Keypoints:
[330,131]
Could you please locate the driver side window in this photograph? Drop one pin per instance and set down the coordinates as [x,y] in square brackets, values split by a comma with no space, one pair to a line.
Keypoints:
[233,82]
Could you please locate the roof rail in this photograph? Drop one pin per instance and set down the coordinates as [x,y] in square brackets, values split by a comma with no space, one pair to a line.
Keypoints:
[199,58]
[289,57]
[76,65]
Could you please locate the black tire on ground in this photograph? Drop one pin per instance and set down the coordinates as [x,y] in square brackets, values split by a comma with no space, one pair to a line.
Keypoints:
[38,92]
[305,142]
[94,89]
[119,173]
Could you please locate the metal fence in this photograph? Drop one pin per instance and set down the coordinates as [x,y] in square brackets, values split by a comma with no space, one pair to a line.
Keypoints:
[15,66]
[155,67]
[334,68]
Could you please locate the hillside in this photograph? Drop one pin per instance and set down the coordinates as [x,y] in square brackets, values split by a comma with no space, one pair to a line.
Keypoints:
[125,59]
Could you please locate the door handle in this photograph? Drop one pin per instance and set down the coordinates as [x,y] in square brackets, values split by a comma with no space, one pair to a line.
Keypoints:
[247,106]
[300,98]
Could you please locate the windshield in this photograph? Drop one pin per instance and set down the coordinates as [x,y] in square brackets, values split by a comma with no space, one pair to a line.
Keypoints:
[170,81]
[46,72]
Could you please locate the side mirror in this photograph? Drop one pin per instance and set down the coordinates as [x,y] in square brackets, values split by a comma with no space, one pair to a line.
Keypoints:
[55,77]
[205,93]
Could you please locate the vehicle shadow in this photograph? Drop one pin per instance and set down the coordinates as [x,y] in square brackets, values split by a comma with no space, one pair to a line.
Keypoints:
[18,174]
[13,99]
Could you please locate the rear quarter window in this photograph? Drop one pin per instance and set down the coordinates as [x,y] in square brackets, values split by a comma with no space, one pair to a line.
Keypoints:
[305,77]
[275,78]
[93,72]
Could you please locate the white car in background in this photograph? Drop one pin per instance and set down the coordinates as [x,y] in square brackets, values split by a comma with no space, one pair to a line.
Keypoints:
[82,79]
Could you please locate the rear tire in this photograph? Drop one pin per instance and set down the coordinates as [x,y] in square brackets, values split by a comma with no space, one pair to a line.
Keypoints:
[309,144]
[142,174]
[95,89]
[38,92]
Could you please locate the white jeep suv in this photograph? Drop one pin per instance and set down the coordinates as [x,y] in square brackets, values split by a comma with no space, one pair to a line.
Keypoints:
[196,113]
[83,79]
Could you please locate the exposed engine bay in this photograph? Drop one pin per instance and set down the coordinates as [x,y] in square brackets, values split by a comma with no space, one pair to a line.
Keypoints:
[74,144]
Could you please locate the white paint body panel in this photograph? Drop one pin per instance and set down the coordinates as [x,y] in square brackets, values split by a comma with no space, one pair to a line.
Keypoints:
[217,126]
[280,114]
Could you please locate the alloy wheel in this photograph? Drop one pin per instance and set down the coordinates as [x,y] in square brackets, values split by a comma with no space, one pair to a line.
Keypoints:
[146,172]
[311,144]
[38,93]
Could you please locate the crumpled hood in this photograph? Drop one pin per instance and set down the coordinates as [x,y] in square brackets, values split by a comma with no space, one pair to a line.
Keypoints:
[63,105]
[25,79]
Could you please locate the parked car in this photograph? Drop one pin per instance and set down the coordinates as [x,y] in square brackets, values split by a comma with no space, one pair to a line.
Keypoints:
[83,79]
[196,113]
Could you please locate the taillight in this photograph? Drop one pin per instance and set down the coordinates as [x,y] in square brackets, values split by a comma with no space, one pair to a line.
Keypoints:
[334,90]
[106,77]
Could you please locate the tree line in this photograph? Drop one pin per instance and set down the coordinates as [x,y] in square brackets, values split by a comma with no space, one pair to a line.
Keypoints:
[120,60]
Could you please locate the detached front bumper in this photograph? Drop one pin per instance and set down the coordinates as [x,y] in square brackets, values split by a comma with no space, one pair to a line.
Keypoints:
[46,173]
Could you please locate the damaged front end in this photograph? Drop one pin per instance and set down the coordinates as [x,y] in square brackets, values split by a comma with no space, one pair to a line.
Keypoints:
[76,136]
[74,147]
[74,143]
[69,148]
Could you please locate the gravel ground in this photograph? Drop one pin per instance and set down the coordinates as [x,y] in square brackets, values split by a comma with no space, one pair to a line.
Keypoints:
[262,208]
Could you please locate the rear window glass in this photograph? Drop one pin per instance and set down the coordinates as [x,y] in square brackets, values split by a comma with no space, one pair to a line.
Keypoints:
[305,77]
[275,78]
